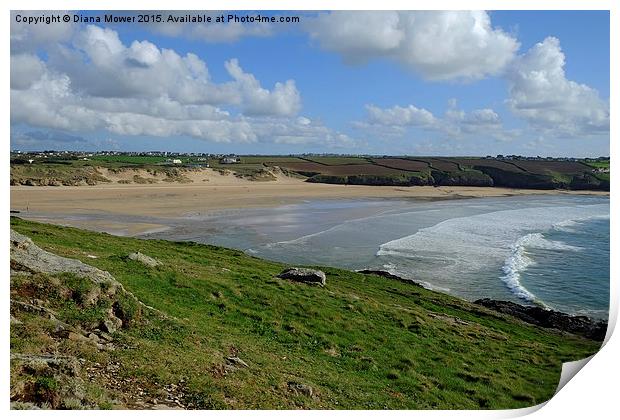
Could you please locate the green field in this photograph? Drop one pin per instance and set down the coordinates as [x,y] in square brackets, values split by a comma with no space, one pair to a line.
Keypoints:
[599,164]
[361,342]
[133,160]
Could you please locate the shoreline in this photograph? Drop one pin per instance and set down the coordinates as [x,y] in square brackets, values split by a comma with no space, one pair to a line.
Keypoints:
[206,196]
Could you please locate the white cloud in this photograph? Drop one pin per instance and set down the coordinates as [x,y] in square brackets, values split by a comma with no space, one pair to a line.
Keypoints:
[29,37]
[400,116]
[99,65]
[283,100]
[455,124]
[540,93]
[358,36]
[438,45]
[97,83]
[25,70]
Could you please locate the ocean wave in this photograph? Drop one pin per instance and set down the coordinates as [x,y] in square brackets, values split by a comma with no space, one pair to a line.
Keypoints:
[570,224]
[518,261]
[515,264]
[538,240]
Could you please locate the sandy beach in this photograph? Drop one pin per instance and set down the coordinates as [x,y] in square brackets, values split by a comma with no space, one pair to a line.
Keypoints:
[210,191]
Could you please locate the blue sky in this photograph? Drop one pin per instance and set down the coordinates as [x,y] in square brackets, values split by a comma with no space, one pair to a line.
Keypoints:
[415,83]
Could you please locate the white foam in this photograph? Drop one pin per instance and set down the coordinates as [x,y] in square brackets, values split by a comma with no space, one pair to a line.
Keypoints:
[519,261]
[569,225]
[470,245]
[538,240]
[516,263]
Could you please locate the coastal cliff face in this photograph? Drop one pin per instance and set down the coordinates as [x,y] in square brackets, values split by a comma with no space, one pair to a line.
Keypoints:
[579,325]
[99,321]
[481,176]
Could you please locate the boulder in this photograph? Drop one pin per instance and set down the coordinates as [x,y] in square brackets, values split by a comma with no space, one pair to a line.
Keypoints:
[29,257]
[578,325]
[110,326]
[304,275]
[300,389]
[144,259]
[236,361]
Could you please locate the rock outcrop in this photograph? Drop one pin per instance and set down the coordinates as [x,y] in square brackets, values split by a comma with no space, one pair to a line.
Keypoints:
[27,257]
[388,275]
[144,259]
[303,275]
[43,286]
[578,325]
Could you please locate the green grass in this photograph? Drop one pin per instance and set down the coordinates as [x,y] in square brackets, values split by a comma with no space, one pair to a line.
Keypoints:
[135,160]
[598,164]
[362,342]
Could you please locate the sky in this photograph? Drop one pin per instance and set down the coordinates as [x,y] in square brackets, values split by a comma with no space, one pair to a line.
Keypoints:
[448,83]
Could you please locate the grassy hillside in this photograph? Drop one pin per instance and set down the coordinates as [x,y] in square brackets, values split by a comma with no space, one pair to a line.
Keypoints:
[362,341]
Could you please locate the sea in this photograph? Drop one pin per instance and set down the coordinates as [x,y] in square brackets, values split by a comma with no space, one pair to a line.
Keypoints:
[551,250]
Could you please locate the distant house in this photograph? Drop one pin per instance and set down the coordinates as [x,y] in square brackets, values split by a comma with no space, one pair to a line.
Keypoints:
[174,161]
[601,170]
[229,159]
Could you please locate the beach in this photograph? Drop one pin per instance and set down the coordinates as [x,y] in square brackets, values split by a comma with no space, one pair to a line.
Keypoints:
[211,191]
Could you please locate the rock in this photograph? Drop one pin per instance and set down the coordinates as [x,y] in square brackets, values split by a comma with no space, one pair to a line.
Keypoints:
[35,309]
[388,275]
[300,389]
[109,326]
[578,325]
[25,254]
[20,405]
[15,321]
[144,259]
[236,361]
[39,363]
[452,320]
[73,336]
[304,275]
[49,381]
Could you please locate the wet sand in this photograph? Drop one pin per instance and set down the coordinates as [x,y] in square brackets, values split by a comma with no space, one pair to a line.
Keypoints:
[210,191]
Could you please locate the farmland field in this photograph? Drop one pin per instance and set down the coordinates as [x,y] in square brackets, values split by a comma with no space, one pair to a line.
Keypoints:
[404,164]
[337,160]
[270,159]
[505,166]
[540,167]
[340,170]
[442,165]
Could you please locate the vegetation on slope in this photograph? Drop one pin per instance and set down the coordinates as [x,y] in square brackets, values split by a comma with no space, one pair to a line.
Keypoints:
[238,337]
